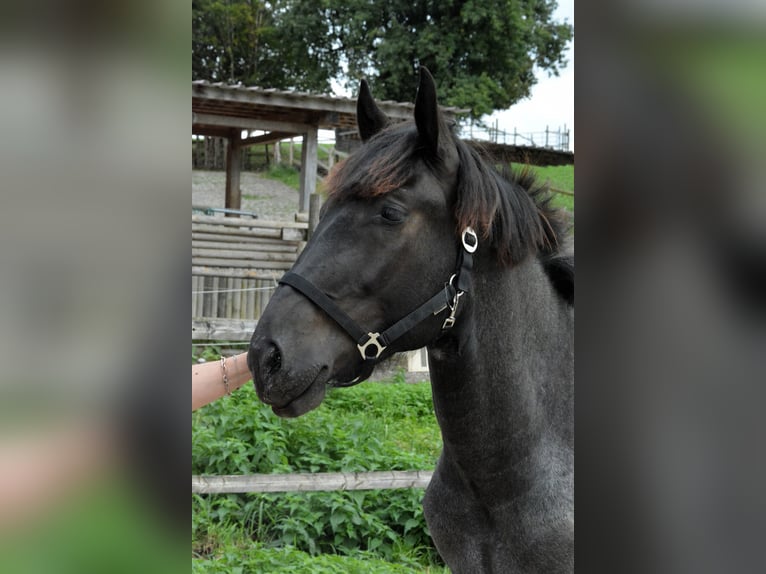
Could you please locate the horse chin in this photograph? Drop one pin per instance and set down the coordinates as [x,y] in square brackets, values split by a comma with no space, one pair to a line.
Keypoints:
[351,379]
[310,399]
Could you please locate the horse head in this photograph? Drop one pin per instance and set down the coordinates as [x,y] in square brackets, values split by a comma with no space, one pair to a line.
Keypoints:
[386,245]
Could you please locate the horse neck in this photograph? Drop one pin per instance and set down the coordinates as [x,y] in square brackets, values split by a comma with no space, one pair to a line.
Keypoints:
[502,381]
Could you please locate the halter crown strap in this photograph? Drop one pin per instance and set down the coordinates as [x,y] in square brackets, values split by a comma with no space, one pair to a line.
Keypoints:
[372,345]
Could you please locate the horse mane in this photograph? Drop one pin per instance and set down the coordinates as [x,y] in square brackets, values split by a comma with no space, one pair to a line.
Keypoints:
[509,209]
[512,210]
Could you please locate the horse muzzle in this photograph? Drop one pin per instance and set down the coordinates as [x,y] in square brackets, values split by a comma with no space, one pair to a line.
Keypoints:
[289,389]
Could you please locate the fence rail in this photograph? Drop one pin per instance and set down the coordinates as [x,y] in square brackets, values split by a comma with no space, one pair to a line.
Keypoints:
[557,139]
[240,484]
[235,265]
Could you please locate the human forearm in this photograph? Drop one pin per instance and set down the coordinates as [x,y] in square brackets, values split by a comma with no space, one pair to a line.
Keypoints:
[207,379]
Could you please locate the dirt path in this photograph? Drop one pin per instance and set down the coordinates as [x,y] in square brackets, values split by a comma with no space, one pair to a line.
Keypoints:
[270,199]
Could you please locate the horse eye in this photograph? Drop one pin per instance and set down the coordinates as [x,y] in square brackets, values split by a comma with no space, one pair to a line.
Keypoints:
[393,214]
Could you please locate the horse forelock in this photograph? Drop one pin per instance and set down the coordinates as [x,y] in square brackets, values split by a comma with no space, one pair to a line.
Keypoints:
[382,165]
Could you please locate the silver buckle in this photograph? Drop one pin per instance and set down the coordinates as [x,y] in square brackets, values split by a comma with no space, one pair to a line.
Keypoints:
[450,320]
[468,232]
[373,340]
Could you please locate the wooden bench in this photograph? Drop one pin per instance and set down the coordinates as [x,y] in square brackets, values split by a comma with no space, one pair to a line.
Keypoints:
[236,263]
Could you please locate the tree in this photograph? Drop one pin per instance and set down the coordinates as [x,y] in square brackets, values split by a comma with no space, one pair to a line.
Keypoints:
[230,39]
[482,54]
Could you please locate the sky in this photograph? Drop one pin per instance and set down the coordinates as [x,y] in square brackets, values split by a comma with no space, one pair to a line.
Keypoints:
[552,99]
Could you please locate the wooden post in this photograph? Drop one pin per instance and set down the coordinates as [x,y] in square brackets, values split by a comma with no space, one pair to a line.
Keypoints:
[315,202]
[308,168]
[277,153]
[233,161]
[292,153]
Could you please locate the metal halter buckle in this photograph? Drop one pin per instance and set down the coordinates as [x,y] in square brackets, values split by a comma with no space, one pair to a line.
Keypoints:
[469,233]
[450,320]
[373,340]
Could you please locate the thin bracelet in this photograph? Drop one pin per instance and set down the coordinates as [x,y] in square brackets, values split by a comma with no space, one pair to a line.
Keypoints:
[225,377]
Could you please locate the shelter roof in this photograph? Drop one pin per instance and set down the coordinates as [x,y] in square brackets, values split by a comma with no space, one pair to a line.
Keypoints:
[219,108]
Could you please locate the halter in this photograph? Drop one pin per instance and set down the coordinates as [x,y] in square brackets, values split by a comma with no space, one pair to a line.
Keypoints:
[372,345]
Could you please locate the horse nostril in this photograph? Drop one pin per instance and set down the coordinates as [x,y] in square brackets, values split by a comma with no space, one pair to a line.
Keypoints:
[272,362]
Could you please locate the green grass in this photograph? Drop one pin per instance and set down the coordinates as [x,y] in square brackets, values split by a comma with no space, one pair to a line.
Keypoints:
[288,175]
[558,176]
[369,427]
[563,200]
[239,556]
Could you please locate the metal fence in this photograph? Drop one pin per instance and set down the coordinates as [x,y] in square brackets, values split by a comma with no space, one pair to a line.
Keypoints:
[556,139]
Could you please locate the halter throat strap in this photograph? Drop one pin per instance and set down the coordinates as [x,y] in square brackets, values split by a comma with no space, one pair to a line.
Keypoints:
[371,345]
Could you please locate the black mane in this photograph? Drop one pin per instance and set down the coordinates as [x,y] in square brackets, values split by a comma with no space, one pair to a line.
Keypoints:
[513,210]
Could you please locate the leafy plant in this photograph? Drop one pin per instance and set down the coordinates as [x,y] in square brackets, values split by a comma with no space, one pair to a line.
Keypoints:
[369,427]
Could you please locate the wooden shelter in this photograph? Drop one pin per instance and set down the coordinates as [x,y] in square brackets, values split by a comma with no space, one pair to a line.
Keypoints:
[222,110]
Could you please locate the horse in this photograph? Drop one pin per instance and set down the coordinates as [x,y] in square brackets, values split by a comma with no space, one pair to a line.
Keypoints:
[422,243]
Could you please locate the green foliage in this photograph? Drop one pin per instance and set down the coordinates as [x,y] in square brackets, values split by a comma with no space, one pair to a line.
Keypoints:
[369,427]
[255,557]
[482,54]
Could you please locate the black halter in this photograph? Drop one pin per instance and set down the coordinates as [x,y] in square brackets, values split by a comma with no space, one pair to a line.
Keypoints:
[372,345]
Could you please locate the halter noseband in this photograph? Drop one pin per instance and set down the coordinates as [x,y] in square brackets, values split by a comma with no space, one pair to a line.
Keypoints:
[372,345]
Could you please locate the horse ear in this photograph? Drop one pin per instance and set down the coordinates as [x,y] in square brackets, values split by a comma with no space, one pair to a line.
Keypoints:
[369,118]
[427,111]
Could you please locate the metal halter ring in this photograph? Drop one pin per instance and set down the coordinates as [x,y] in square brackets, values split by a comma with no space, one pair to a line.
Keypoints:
[468,232]
[373,340]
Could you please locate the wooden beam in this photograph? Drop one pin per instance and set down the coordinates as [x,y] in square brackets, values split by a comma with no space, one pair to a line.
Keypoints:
[309,151]
[232,484]
[268,138]
[239,263]
[206,121]
[292,101]
[213,329]
[205,271]
[242,222]
[242,255]
[211,131]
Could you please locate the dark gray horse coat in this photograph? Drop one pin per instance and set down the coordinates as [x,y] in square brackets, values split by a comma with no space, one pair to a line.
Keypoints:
[501,498]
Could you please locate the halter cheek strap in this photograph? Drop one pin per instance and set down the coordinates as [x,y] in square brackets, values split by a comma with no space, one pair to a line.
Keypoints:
[372,345]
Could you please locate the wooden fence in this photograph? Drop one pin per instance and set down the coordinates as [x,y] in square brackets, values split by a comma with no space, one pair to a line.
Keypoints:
[236,263]
[239,484]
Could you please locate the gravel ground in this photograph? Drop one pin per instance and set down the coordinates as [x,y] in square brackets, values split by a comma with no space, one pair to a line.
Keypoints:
[272,200]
